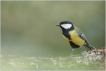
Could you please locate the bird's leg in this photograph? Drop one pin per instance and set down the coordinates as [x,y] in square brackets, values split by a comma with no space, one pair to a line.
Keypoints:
[71,55]
[82,55]
[87,49]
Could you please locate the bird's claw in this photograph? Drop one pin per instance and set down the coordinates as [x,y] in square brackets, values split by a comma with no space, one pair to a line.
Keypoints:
[82,54]
[70,57]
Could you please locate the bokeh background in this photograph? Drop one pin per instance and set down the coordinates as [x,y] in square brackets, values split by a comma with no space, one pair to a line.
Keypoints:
[28,28]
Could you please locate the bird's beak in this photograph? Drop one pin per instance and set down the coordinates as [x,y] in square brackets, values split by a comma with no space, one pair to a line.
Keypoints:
[57,25]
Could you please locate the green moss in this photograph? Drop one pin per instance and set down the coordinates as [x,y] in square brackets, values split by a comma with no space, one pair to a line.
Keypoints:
[50,63]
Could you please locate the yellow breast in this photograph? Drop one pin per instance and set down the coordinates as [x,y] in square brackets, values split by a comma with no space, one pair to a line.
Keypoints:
[76,39]
[66,39]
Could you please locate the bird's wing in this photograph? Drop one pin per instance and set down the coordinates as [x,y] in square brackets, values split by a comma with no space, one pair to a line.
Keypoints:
[81,35]
[84,38]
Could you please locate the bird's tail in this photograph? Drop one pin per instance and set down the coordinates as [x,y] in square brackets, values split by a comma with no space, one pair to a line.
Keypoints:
[90,47]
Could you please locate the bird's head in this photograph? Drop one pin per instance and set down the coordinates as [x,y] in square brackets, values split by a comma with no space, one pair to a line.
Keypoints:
[66,25]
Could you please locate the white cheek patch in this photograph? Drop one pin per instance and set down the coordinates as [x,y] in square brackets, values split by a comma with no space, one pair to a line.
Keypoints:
[66,26]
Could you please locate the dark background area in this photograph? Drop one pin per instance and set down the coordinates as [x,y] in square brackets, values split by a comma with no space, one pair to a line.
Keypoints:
[28,28]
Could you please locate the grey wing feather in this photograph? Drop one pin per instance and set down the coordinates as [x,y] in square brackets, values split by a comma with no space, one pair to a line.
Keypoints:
[81,35]
[84,38]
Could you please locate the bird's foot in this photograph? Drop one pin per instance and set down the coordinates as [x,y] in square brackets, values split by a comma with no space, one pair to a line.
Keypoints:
[82,54]
[70,57]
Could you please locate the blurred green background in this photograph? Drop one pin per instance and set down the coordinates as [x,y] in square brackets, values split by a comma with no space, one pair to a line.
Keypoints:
[28,28]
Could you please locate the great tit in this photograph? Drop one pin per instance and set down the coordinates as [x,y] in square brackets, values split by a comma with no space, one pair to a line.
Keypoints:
[73,36]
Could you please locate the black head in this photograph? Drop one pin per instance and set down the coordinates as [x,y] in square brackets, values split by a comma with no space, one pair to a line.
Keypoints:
[66,25]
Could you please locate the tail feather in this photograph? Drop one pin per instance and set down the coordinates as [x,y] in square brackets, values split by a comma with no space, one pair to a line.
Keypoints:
[90,47]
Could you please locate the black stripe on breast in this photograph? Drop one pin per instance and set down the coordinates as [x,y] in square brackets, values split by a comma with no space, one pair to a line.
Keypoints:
[74,45]
[67,35]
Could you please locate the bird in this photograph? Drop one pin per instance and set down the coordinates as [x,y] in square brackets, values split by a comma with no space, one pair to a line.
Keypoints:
[74,37]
